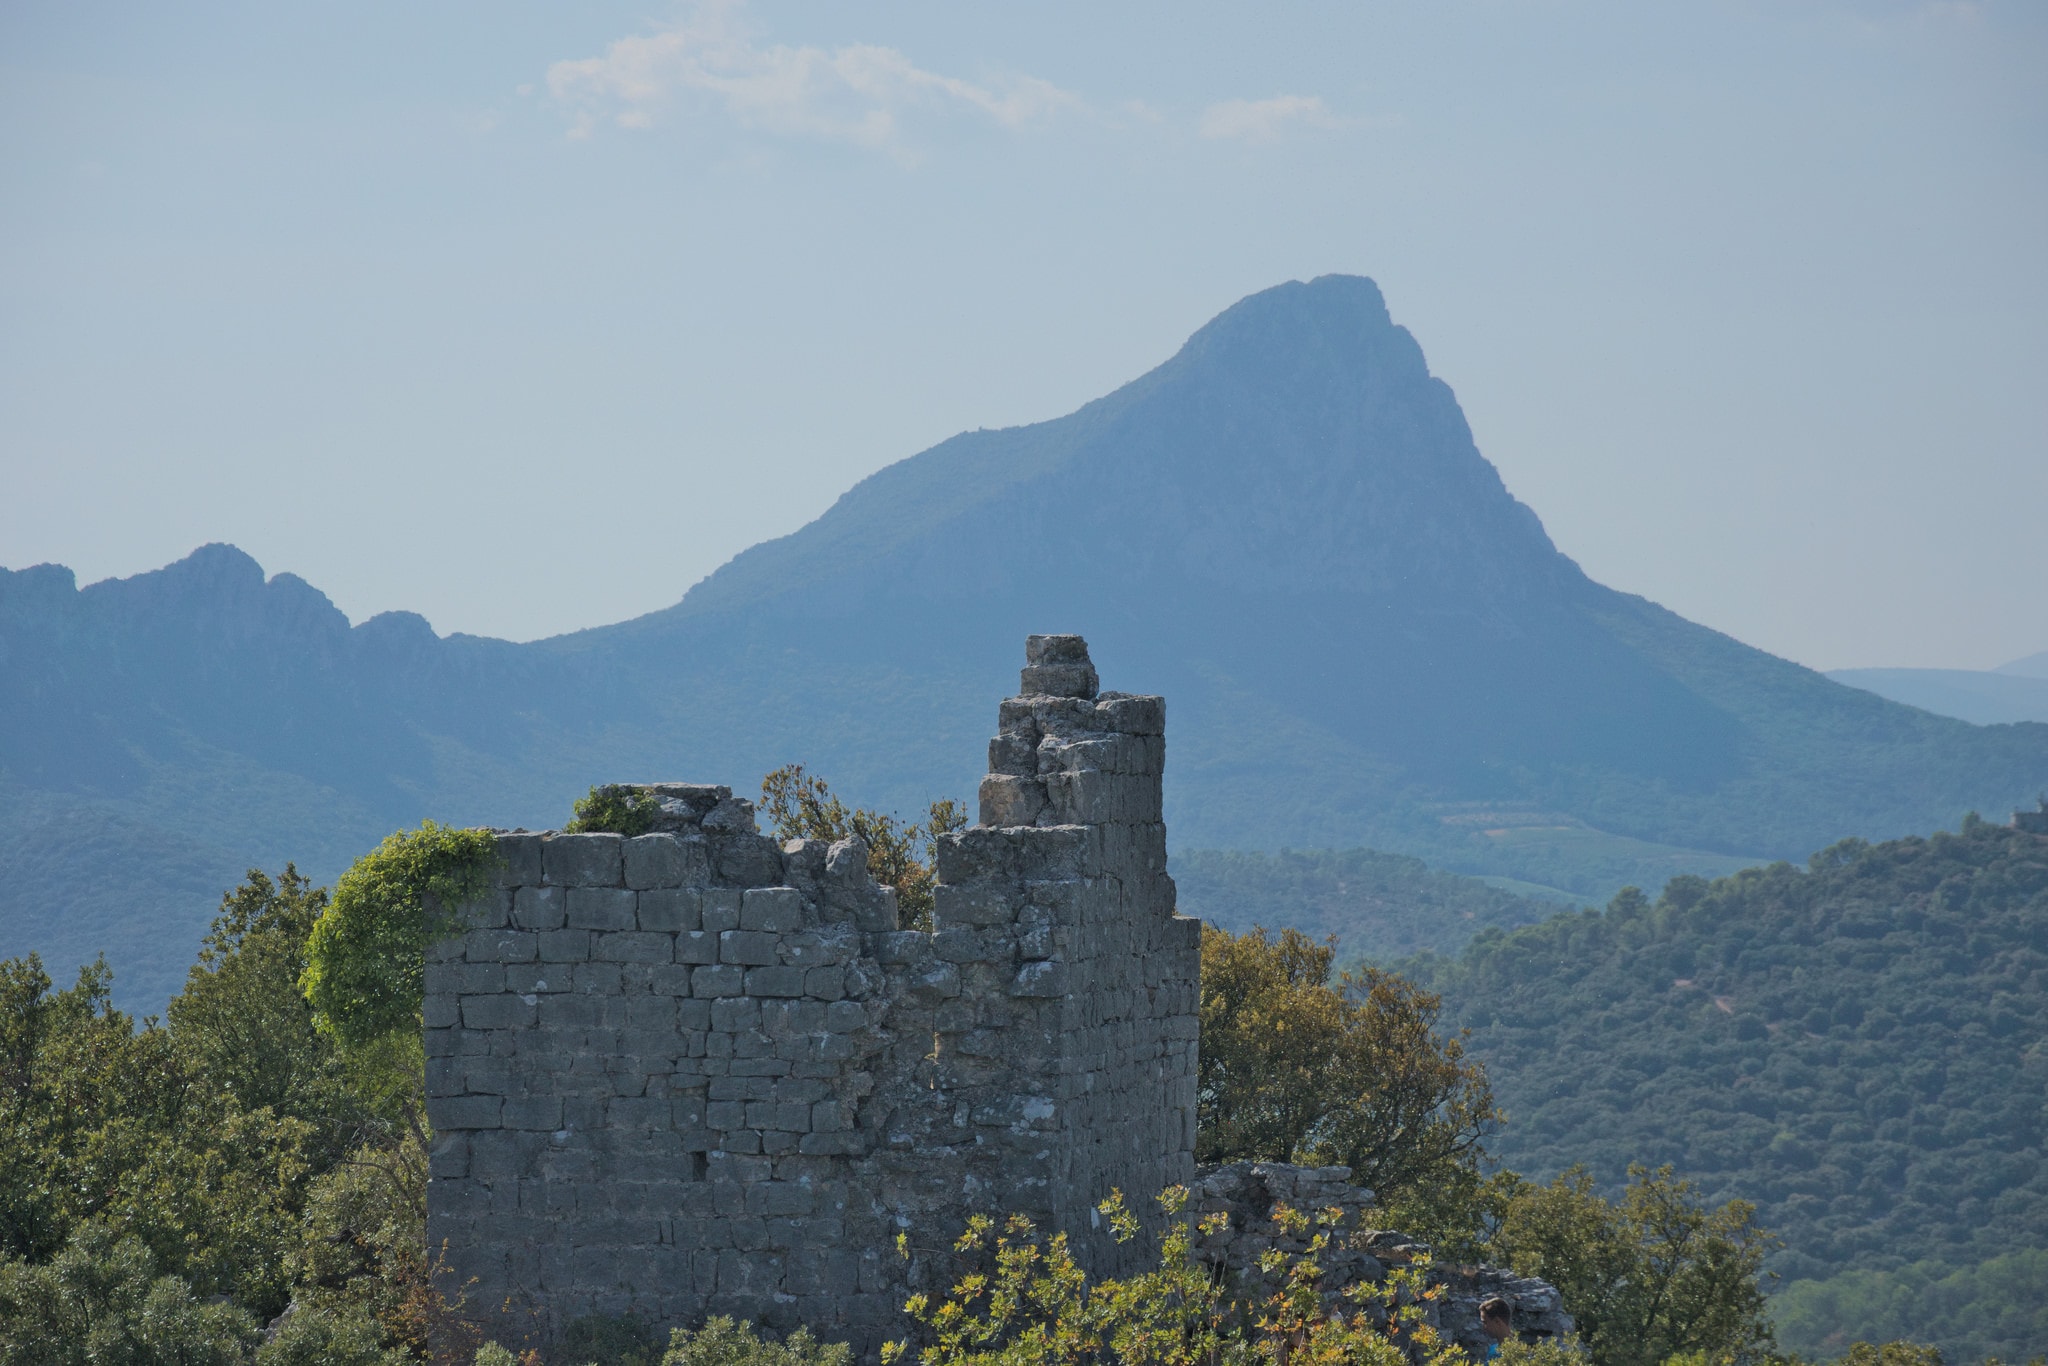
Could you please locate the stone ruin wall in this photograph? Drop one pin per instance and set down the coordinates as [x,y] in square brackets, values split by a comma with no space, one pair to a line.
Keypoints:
[698,1072]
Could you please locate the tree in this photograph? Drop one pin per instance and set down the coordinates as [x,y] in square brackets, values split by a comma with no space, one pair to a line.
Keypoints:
[241,1019]
[365,973]
[1652,1276]
[802,806]
[1296,1069]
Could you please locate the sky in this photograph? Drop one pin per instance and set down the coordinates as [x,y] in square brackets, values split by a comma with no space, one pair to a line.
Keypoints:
[526,316]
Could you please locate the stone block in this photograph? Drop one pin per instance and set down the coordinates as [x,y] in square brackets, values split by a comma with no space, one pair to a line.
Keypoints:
[583,860]
[722,979]
[1059,680]
[467,1112]
[540,908]
[971,907]
[633,946]
[667,861]
[731,1014]
[518,860]
[825,984]
[499,1011]
[775,981]
[565,946]
[696,946]
[602,908]
[492,910]
[1041,979]
[721,909]
[542,1113]
[940,982]
[1007,800]
[747,860]
[749,947]
[668,910]
[777,910]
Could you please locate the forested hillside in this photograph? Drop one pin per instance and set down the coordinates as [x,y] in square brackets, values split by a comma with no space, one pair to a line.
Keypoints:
[1860,1047]
[1286,529]
[1376,905]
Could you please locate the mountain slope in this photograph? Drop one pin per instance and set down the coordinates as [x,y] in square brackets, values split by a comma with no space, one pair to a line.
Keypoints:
[1286,528]
[1859,1047]
[1984,697]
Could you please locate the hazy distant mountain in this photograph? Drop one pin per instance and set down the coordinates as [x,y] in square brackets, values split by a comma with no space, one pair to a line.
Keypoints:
[1286,529]
[1986,697]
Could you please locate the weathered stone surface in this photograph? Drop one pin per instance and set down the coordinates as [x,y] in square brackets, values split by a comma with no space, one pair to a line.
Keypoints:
[582,860]
[698,1071]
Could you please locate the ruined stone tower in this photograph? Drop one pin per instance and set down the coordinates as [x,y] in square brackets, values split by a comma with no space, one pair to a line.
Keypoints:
[696,1072]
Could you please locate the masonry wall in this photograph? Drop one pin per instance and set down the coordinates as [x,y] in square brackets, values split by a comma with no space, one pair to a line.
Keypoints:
[696,1072]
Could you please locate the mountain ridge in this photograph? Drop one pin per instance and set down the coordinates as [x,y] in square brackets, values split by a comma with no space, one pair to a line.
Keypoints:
[1286,528]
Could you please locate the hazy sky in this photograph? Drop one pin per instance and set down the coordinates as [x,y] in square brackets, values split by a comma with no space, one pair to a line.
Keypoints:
[527,315]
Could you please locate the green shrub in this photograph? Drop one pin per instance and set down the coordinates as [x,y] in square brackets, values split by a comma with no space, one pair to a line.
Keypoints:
[608,1340]
[337,1335]
[366,958]
[614,810]
[100,1302]
[721,1342]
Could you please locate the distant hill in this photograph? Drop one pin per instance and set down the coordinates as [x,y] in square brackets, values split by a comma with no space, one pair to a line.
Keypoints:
[1983,697]
[1285,528]
[1377,906]
[1860,1047]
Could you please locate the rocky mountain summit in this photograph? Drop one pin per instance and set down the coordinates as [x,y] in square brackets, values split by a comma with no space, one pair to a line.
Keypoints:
[1287,525]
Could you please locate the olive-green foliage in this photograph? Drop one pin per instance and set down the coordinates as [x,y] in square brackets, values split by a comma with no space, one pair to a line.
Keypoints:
[614,810]
[1025,1301]
[802,806]
[1891,1354]
[365,962]
[1378,906]
[1295,1067]
[1997,1307]
[721,1342]
[1647,1277]
[608,1340]
[361,1251]
[1859,1048]
[494,1354]
[104,1301]
[105,1121]
[345,1336]
[241,1020]
[1552,1352]
[232,1151]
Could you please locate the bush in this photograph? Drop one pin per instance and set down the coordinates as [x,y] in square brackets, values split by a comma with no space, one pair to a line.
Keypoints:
[608,1340]
[614,810]
[341,1335]
[721,1342]
[100,1302]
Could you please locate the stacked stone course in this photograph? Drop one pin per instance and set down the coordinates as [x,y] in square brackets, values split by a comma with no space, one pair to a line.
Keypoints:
[698,1072]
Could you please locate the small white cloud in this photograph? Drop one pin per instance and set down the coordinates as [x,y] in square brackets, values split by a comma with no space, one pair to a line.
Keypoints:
[1265,120]
[856,93]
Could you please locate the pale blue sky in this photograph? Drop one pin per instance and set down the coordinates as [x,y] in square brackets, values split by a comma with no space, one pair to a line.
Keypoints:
[526,316]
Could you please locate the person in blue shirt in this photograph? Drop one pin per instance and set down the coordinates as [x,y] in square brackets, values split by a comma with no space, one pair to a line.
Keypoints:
[1493,1321]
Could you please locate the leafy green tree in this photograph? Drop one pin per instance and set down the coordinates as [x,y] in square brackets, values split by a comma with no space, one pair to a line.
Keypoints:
[1647,1278]
[103,1301]
[802,806]
[241,1020]
[1294,1068]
